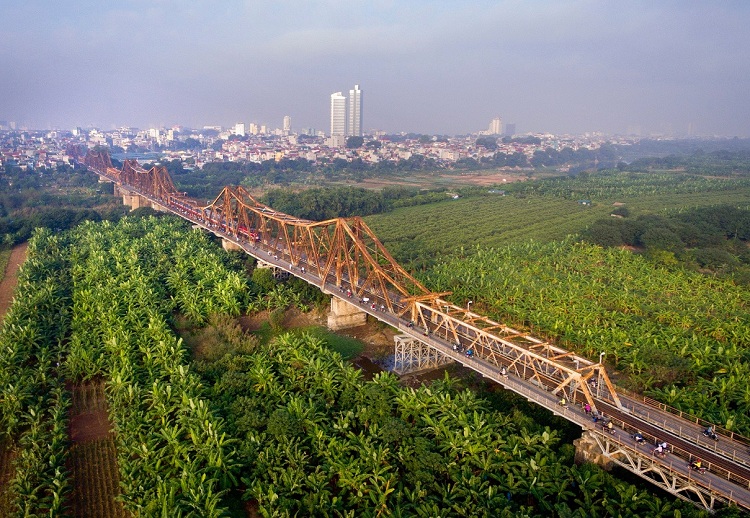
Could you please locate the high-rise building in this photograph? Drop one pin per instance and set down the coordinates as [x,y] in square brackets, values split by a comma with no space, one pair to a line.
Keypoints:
[253,128]
[354,126]
[496,126]
[287,124]
[338,114]
[239,129]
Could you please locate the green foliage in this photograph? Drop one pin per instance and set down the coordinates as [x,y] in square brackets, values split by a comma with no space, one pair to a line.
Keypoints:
[712,238]
[57,199]
[679,335]
[263,279]
[33,398]
[317,439]
[347,347]
[548,210]
[322,204]
[354,142]
[489,143]
[172,452]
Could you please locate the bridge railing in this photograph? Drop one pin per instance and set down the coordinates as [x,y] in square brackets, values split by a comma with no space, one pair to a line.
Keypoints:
[676,451]
[739,445]
[676,469]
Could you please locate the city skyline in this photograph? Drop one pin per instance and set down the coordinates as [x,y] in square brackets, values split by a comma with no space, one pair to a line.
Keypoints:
[571,66]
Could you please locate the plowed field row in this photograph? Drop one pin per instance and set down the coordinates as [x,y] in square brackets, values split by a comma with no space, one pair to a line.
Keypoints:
[6,473]
[93,456]
[95,479]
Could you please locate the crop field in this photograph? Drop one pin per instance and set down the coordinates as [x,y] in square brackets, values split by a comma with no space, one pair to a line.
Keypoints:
[497,220]
[287,427]
[680,336]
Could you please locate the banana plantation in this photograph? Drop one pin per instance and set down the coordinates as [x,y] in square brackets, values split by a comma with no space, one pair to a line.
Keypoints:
[288,428]
[680,336]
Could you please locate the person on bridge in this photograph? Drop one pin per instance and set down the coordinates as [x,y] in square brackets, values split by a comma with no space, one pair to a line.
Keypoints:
[638,436]
[503,372]
[563,401]
[587,408]
[610,427]
[696,464]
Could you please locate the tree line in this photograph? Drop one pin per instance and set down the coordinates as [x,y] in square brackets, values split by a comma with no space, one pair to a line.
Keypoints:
[710,239]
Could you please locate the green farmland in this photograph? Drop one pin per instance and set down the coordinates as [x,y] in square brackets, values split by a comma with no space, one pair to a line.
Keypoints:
[547,213]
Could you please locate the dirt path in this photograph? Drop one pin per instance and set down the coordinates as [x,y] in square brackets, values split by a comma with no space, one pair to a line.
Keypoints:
[10,277]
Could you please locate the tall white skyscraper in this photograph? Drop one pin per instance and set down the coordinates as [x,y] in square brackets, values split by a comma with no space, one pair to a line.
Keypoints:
[338,114]
[354,127]
[239,129]
[496,126]
[287,124]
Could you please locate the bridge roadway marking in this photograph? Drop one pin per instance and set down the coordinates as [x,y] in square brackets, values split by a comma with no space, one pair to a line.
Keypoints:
[523,388]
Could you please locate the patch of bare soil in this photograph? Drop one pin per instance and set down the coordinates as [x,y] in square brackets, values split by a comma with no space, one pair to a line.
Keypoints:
[6,473]
[377,337]
[10,277]
[88,415]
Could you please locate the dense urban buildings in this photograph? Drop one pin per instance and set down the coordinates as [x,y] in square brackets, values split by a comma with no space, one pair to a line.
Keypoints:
[40,150]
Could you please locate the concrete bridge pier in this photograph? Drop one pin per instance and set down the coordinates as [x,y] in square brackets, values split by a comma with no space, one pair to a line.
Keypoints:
[134,201]
[588,449]
[230,246]
[158,207]
[344,315]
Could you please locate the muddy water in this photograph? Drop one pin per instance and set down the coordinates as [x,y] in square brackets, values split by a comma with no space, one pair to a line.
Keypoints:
[368,367]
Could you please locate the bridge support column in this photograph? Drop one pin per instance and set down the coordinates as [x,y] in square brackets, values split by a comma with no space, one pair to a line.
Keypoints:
[230,246]
[344,315]
[411,355]
[588,449]
[133,201]
[158,207]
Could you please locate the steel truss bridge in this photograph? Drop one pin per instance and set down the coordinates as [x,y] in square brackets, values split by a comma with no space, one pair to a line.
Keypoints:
[344,258]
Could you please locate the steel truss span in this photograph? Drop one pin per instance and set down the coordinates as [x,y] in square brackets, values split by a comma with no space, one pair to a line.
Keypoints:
[344,258]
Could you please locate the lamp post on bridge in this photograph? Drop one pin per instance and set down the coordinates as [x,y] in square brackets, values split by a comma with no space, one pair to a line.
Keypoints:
[601,366]
[468,305]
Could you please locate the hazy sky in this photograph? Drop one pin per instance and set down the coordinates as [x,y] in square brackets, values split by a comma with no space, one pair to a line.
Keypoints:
[425,66]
